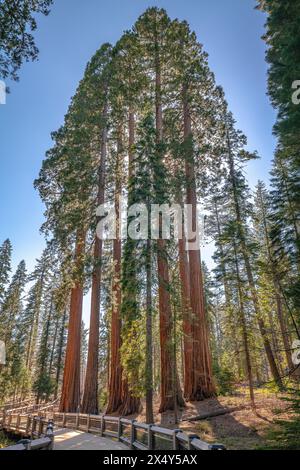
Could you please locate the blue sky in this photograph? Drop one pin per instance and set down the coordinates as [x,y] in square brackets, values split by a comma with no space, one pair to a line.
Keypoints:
[230,31]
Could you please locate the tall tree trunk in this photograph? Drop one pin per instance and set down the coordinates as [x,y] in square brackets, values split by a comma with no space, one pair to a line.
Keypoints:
[227,290]
[165,311]
[130,403]
[149,348]
[244,330]
[90,396]
[60,353]
[187,315]
[31,347]
[244,250]
[53,345]
[277,290]
[283,326]
[115,398]
[70,395]
[202,385]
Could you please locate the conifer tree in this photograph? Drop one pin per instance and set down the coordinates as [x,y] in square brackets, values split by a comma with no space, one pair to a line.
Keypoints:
[10,316]
[237,187]
[5,268]
[97,77]
[17,21]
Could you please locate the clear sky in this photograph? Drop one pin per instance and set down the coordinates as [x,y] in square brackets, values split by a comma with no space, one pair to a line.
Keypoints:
[230,31]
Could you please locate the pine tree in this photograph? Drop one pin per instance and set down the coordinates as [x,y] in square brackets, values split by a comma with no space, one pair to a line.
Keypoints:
[5,268]
[31,316]
[44,385]
[269,265]
[10,316]
[238,187]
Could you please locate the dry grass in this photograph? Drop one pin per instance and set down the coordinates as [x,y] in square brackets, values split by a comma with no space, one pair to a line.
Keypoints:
[243,429]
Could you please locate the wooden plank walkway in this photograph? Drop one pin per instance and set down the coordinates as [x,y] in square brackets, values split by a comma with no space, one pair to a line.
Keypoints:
[68,439]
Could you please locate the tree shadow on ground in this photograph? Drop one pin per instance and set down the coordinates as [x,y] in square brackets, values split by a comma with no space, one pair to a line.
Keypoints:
[227,429]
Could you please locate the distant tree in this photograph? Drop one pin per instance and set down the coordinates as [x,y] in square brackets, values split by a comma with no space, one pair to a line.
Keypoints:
[11,331]
[5,258]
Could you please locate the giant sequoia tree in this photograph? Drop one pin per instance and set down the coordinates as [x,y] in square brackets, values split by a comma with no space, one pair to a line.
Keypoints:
[148,123]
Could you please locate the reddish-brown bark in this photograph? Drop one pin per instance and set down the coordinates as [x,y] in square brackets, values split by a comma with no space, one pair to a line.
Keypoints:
[90,396]
[130,403]
[70,395]
[186,313]
[165,312]
[115,381]
[201,381]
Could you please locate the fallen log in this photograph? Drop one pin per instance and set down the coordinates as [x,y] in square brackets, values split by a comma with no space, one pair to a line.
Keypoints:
[212,414]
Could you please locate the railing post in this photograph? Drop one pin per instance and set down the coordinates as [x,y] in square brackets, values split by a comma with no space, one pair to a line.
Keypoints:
[64,420]
[33,426]
[9,421]
[132,434]
[88,420]
[40,429]
[18,422]
[28,425]
[175,440]
[102,425]
[119,429]
[191,437]
[77,421]
[150,437]
[50,434]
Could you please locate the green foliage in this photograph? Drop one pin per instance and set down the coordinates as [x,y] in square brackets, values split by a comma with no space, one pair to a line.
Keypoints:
[44,386]
[5,260]
[225,380]
[133,356]
[283,43]
[17,21]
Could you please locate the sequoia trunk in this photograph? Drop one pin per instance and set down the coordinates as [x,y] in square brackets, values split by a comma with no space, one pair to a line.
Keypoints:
[201,382]
[90,396]
[70,395]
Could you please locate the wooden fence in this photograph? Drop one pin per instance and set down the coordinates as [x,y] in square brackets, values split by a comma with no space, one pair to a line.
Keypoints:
[134,434]
[37,430]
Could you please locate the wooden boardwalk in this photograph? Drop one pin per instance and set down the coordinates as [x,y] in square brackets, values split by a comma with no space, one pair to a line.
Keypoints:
[68,439]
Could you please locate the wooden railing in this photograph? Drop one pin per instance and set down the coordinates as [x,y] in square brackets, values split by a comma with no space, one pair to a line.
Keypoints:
[7,407]
[28,408]
[134,434]
[38,429]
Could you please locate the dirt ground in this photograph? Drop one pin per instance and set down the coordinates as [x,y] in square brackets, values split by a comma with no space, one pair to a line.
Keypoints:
[242,429]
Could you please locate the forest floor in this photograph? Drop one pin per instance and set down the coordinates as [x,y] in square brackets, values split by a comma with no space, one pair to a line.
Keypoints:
[240,430]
